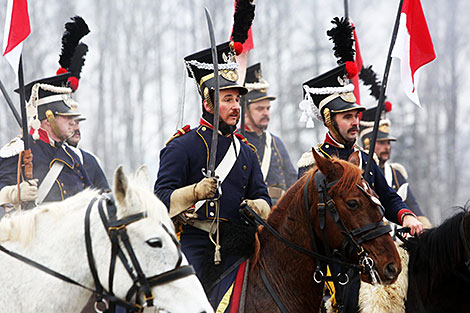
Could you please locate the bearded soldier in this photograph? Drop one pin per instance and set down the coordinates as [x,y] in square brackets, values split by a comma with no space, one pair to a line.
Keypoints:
[91,162]
[198,200]
[278,171]
[58,172]
[52,112]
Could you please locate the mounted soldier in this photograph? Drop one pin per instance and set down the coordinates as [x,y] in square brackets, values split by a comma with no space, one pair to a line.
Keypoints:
[91,162]
[276,166]
[57,170]
[395,173]
[329,97]
[206,205]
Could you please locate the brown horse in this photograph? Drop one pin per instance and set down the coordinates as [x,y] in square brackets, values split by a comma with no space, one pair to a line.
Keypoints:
[291,271]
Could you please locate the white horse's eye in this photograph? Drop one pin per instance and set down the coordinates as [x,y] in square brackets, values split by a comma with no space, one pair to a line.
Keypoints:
[155,242]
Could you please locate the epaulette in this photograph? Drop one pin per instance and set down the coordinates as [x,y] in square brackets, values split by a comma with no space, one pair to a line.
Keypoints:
[180,132]
[14,147]
[245,141]
[400,168]
[307,160]
[366,151]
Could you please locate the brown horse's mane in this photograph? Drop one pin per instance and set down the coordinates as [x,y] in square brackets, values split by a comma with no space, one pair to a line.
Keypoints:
[351,176]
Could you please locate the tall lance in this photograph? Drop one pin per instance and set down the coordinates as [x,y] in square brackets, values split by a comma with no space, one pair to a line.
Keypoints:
[215,133]
[27,155]
[10,103]
[380,105]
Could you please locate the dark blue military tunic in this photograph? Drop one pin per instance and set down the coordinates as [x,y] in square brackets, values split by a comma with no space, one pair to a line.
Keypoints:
[181,162]
[397,181]
[72,179]
[393,205]
[94,171]
[281,172]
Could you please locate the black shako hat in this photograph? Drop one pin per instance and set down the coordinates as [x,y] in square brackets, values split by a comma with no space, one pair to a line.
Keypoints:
[50,94]
[257,86]
[366,127]
[328,93]
[200,67]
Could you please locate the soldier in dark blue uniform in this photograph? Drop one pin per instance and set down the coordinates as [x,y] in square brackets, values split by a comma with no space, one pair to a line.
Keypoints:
[276,166]
[51,111]
[181,184]
[395,173]
[330,98]
[89,160]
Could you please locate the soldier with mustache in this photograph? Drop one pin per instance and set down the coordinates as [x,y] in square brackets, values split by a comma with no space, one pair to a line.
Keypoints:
[207,208]
[276,166]
[330,98]
[91,162]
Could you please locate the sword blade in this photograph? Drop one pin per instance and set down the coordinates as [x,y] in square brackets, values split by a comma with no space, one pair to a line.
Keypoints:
[215,133]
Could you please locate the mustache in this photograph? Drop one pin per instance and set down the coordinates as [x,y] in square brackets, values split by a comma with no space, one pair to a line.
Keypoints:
[77,132]
[353,128]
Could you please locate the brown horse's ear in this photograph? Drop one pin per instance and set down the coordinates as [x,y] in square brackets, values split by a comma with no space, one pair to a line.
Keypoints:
[324,165]
[354,158]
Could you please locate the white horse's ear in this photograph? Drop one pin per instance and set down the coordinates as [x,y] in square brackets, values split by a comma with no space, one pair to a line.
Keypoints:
[120,185]
[142,175]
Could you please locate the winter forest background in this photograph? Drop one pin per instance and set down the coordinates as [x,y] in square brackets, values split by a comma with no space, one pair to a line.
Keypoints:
[133,82]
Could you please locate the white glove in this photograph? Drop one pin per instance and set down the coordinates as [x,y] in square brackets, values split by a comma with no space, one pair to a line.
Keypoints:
[260,206]
[28,192]
[185,197]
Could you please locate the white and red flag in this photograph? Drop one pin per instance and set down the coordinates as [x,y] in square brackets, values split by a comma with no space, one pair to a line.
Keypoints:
[358,61]
[17,29]
[413,46]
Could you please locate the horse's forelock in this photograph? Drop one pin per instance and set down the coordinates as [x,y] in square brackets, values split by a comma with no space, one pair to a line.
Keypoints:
[349,179]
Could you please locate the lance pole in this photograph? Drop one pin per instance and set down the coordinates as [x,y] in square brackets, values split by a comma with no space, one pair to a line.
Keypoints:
[10,103]
[380,105]
[27,155]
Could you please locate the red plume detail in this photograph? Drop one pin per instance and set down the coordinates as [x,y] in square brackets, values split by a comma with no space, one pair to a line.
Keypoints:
[238,47]
[388,106]
[61,70]
[73,83]
[351,68]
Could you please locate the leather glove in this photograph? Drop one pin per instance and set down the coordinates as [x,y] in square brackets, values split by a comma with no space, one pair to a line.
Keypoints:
[28,192]
[185,197]
[260,206]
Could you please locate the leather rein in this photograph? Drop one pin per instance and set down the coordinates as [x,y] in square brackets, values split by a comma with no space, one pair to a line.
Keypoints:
[353,238]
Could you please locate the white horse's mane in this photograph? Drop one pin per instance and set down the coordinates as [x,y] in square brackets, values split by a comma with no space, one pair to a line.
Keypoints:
[21,226]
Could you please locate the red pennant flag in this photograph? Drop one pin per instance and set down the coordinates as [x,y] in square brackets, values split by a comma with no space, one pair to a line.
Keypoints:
[358,61]
[413,46]
[17,29]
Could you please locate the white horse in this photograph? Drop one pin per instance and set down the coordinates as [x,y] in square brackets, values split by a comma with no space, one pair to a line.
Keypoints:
[53,235]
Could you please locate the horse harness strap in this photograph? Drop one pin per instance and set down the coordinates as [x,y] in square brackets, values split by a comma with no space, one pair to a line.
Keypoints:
[272,292]
[292,245]
[116,230]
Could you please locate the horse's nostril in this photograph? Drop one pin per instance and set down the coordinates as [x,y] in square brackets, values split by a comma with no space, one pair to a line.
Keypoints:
[390,270]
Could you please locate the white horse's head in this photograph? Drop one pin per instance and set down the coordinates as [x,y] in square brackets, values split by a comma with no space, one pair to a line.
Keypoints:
[155,246]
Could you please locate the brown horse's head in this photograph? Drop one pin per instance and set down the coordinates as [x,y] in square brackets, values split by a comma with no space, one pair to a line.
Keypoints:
[354,201]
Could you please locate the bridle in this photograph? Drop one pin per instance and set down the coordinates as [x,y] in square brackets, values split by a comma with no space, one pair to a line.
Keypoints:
[106,301]
[353,238]
[116,229]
